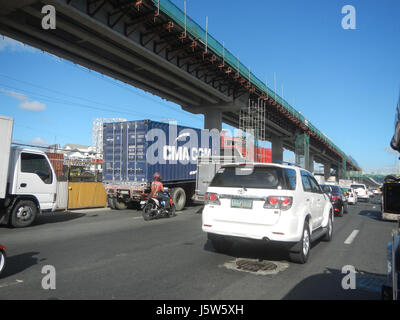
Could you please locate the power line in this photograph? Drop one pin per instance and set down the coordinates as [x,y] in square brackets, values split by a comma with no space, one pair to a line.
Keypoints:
[71,103]
[96,102]
[52,148]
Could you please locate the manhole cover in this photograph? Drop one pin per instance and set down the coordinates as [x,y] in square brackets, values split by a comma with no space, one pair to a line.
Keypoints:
[259,267]
[255,266]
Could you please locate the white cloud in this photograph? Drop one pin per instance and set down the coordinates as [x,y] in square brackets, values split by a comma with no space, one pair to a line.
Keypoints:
[13,45]
[32,106]
[25,104]
[15,95]
[39,142]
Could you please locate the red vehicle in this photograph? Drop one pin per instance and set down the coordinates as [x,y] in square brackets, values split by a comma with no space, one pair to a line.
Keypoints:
[263,155]
[2,258]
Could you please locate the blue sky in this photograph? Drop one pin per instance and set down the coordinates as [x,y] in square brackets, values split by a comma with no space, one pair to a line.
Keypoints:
[346,82]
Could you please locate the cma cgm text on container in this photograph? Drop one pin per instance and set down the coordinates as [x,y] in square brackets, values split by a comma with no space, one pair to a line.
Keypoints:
[133,151]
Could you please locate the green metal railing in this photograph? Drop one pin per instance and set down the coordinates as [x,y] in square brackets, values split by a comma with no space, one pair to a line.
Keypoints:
[196,31]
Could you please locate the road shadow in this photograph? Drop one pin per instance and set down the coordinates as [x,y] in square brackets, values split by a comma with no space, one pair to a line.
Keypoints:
[51,217]
[375,215]
[20,262]
[254,250]
[328,286]
[57,217]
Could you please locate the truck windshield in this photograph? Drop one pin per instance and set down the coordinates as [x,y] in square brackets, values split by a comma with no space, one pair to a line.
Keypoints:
[247,177]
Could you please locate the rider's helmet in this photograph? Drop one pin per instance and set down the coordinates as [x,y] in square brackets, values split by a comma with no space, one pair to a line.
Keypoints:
[156,176]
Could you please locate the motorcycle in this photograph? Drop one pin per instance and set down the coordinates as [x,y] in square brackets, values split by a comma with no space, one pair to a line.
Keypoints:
[154,208]
[3,258]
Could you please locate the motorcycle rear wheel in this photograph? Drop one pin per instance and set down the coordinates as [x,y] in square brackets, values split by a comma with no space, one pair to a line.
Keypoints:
[147,212]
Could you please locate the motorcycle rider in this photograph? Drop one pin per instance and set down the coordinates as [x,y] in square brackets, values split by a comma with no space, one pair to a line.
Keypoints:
[157,190]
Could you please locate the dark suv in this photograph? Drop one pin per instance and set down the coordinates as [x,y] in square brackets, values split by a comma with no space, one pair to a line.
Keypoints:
[338,199]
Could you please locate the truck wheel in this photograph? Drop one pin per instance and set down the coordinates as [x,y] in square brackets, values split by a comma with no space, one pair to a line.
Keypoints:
[23,214]
[134,205]
[120,205]
[304,246]
[110,202]
[179,198]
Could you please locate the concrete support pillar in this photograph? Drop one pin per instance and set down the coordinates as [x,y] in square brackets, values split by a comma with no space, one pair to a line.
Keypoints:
[302,150]
[311,163]
[327,171]
[277,149]
[343,169]
[213,119]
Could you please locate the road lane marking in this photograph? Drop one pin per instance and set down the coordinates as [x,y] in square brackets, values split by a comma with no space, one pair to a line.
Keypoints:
[351,237]
[11,284]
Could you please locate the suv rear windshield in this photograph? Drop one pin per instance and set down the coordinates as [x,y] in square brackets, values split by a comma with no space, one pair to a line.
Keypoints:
[257,178]
[358,186]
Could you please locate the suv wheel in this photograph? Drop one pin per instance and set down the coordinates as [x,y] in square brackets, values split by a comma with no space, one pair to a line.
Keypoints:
[340,214]
[328,236]
[220,244]
[304,245]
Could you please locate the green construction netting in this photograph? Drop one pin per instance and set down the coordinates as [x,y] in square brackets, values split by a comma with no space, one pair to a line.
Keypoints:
[178,16]
[302,150]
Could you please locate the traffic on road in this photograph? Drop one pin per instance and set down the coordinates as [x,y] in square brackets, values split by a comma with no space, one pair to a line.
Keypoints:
[141,159]
[172,258]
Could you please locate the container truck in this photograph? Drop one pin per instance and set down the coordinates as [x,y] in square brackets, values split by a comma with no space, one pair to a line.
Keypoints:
[134,150]
[28,182]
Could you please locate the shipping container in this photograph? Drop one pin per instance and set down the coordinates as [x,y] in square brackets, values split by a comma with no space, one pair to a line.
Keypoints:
[6,128]
[134,150]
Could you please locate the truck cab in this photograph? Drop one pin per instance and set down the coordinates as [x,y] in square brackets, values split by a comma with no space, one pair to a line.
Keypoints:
[28,183]
[31,187]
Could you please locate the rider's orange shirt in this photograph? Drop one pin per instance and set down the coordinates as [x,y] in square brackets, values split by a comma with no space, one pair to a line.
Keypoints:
[156,187]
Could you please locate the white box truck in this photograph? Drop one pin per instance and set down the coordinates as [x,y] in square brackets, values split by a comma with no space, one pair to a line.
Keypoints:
[28,182]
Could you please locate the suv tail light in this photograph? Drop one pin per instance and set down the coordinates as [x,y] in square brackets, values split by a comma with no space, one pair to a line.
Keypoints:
[282,203]
[211,198]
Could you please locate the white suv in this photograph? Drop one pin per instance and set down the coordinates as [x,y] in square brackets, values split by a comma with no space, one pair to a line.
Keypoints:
[361,190]
[269,202]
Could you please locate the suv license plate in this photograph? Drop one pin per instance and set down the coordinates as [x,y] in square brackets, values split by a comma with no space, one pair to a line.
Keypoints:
[242,203]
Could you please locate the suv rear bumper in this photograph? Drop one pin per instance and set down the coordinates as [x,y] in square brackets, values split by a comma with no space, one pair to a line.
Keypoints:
[289,228]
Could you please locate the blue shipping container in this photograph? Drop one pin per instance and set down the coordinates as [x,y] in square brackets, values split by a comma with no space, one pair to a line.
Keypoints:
[133,151]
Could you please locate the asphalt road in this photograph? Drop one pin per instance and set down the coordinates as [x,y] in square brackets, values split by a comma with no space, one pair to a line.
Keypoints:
[107,254]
